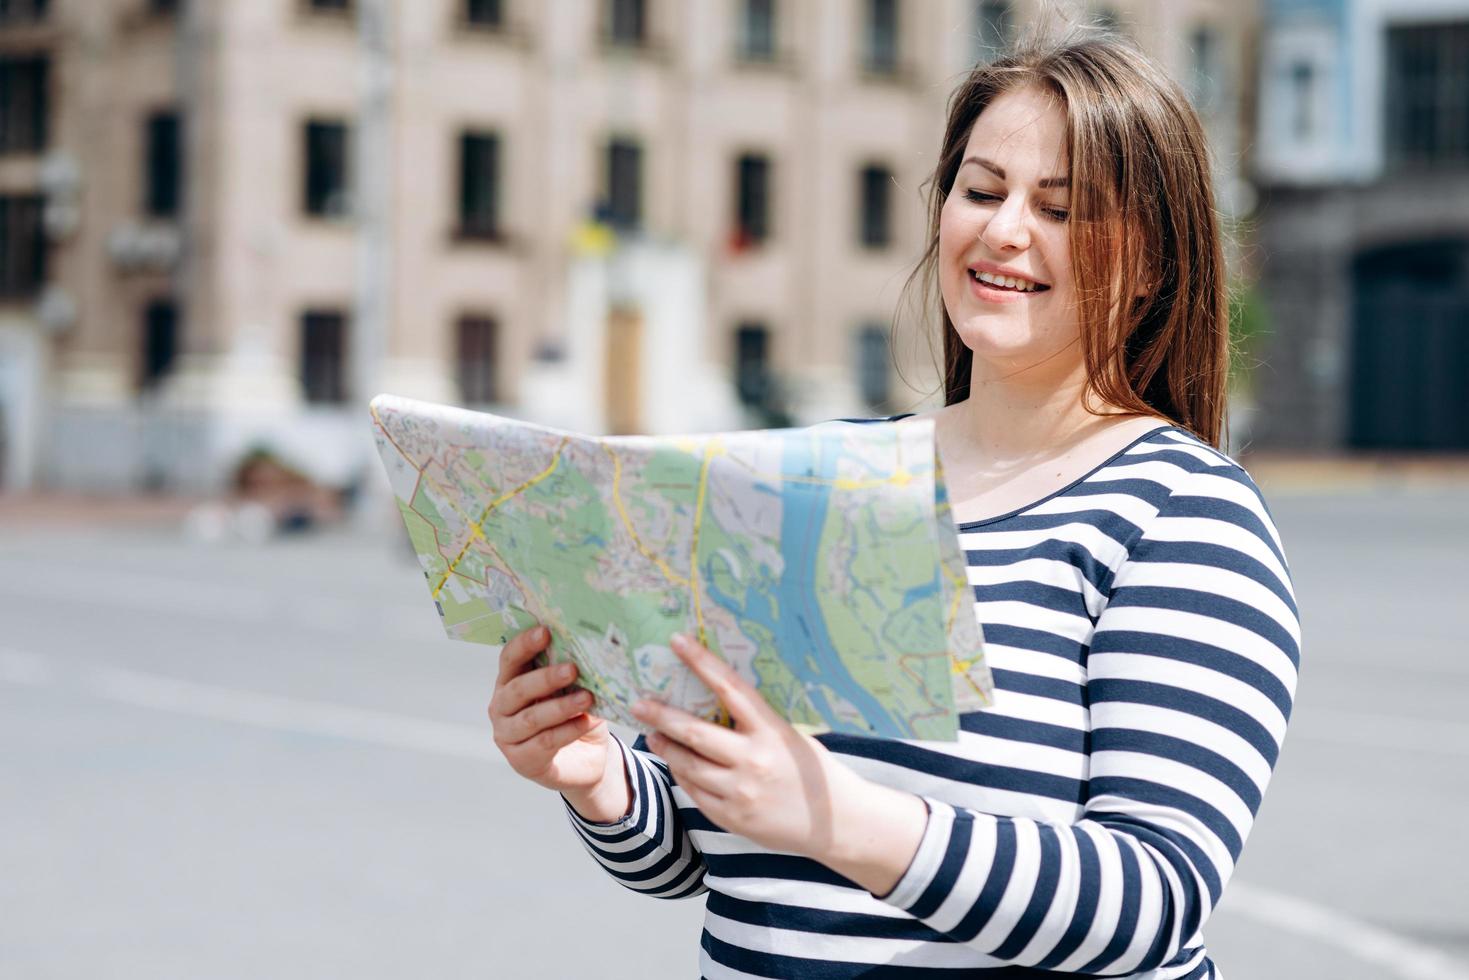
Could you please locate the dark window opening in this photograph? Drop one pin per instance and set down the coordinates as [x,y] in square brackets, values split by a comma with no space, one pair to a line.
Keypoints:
[1204,83]
[757,30]
[752,365]
[873,366]
[627,22]
[993,30]
[752,198]
[1303,101]
[164,165]
[329,6]
[22,246]
[624,184]
[326,189]
[163,8]
[477,359]
[479,178]
[323,356]
[484,13]
[160,342]
[22,11]
[1428,92]
[24,103]
[881,57]
[875,206]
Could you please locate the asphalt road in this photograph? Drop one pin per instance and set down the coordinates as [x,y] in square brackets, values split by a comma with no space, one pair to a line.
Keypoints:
[241,761]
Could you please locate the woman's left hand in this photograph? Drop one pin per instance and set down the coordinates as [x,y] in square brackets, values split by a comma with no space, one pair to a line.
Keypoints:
[762,780]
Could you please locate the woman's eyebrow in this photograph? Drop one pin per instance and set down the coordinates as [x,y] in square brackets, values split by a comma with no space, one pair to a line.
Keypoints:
[999,172]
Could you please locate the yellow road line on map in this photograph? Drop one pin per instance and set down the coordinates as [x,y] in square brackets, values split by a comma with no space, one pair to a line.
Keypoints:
[669,573]
[712,450]
[476,530]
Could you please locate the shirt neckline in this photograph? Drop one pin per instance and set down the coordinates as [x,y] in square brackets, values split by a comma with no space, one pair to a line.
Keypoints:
[966,525]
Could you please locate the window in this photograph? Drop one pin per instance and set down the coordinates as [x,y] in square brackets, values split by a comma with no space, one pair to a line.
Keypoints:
[479,179]
[1427,82]
[752,364]
[1303,101]
[873,365]
[163,8]
[160,342]
[1204,80]
[24,92]
[624,184]
[326,190]
[22,246]
[626,22]
[484,13]
[477,359]
[1108,19]
[993,29]
[757,30]
[22,11]
[329,6]
[881,56]
[752,198]
[163,165]
[323,356]
[876,193]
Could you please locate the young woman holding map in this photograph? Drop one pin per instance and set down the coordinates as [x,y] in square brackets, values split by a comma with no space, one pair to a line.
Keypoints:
[1136,603]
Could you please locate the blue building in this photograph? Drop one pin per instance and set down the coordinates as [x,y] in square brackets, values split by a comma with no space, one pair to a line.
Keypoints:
[1362,161]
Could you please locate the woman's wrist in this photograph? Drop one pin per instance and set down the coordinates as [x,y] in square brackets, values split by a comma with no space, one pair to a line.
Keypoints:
[876,834]
[610,799]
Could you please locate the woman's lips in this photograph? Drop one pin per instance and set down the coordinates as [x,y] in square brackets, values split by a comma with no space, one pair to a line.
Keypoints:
[996,294]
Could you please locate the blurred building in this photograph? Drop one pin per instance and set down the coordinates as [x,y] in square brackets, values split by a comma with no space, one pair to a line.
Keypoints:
[1363,164]
[226,224]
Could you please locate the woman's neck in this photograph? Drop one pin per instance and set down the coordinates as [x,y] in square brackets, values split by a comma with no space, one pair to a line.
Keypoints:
[1017,414]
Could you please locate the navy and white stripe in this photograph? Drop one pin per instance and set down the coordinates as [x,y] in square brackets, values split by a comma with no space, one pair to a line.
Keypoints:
[1144,638]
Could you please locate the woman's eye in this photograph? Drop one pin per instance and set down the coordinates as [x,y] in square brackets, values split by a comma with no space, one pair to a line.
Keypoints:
[980,197]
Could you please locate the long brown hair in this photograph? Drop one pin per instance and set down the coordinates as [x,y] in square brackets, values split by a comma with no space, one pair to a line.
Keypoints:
[1142,213]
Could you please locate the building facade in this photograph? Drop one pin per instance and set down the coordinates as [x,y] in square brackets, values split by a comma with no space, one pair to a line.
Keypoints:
[1363,166]
[228,224]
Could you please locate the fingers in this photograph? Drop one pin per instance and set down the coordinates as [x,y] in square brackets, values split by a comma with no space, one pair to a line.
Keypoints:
[548,741]
[711,741]
[531,722]
[692,770]
[531,687]
[744,703]
[519,650]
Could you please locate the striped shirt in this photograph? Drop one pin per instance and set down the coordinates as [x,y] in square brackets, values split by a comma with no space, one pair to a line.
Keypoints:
[1142,631]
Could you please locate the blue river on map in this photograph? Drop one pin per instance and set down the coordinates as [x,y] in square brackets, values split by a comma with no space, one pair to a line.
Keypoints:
[800,631]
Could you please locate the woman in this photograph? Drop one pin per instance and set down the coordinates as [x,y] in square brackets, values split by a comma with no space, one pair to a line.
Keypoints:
[1136,603]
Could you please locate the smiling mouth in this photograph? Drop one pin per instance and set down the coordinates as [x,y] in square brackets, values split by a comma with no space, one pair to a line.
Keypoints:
[1013,284]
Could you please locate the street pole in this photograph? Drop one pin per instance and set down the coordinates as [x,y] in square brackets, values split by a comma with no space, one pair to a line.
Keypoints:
[372,202]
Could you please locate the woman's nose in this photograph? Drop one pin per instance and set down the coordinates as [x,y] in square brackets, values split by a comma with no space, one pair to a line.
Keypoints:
[1007,228]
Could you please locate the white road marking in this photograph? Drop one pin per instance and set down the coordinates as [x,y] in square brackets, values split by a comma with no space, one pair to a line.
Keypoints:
[292,714]
[1380,731]
[1400,956]
[271,711]
[25,669]
[1397,955]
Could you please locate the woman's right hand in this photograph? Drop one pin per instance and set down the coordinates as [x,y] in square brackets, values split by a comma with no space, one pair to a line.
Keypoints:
[553,741]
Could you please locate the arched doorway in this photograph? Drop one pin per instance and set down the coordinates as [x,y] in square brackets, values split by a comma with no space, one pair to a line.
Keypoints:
[1410,347]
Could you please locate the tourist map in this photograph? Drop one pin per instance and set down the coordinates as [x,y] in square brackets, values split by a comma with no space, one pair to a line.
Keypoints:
[821,562]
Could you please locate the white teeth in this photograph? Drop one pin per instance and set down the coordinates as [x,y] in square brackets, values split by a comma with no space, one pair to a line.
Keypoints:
[1008,282]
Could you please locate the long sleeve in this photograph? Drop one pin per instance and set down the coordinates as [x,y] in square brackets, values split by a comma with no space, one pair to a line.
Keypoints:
[649,850]
[1191,675]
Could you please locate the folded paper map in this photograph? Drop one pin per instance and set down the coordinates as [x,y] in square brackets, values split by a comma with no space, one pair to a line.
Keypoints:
[822,563]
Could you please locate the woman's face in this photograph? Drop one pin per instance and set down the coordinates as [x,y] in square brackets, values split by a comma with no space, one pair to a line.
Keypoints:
[1005,219]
